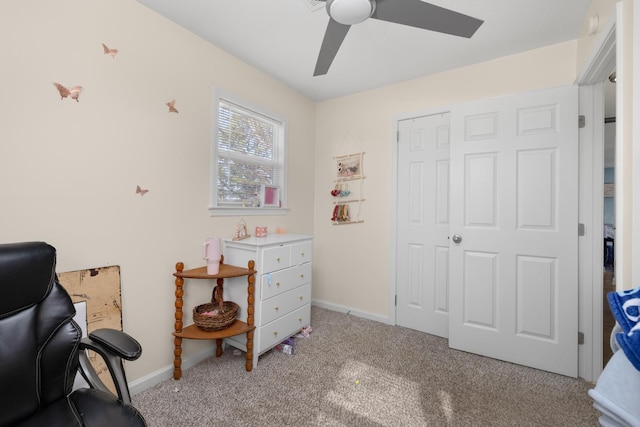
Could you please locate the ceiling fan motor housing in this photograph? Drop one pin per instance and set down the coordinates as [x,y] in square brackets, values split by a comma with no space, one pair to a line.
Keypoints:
[350,12]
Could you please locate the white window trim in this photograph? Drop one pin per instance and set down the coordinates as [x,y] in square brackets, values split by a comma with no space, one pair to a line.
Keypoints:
[214,209]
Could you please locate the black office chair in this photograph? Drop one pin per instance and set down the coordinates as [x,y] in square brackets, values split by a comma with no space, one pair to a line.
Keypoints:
[42,349]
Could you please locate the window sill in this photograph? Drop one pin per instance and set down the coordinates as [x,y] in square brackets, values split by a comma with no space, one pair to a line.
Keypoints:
[217,211]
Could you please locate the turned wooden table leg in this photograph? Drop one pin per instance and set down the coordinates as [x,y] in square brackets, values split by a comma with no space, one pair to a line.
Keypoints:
[249,364]
[177,361]
[220,284]
[177,351]
[250,315]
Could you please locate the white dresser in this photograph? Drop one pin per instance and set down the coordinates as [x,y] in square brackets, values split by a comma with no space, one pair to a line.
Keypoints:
[282,287]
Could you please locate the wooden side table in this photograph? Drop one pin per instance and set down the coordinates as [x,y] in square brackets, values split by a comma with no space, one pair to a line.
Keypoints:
[236,328]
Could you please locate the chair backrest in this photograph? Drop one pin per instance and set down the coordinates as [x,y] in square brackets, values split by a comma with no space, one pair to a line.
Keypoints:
[38,338]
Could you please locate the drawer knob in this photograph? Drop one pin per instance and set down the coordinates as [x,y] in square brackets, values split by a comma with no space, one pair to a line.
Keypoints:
[275,333]
[299,319]
[277,283]
[278,259]
[276,308]
[301,298]
[302,276]
[301,253]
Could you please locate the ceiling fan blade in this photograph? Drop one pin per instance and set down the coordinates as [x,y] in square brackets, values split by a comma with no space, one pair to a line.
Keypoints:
[419,14]
[333,38]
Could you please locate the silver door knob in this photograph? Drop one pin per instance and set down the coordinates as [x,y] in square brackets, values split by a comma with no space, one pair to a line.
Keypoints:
[456,238]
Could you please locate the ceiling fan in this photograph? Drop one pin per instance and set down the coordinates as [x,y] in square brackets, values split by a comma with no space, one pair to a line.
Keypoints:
[415,13]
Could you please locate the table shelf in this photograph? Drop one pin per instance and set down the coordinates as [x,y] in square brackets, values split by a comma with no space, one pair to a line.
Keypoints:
[225,271]
[195,333]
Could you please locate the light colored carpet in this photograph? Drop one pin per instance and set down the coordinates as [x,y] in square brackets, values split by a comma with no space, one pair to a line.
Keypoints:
[356,372]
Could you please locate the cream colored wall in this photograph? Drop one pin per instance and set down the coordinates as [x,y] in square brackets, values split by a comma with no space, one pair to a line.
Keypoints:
[352,262]
[605,11]
[625,239]
[68,171]
[628,138]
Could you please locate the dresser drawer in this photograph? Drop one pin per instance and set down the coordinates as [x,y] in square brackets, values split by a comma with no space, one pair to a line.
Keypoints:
[301,253]
[275,258]
[278,330]
[280,281]
[284,303]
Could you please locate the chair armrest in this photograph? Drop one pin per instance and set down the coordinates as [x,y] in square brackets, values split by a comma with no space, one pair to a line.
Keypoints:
[113,346]
[118,342]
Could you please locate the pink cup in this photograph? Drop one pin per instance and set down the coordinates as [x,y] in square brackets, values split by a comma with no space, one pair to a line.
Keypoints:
[211,252]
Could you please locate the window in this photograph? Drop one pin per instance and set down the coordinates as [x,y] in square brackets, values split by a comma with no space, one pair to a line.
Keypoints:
[249,161]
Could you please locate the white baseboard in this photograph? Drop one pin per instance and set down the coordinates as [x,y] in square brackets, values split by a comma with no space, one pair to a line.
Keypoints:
[351,311]
[166,372]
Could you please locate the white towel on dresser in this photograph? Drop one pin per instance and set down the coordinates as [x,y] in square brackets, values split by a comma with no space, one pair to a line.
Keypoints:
[617,393]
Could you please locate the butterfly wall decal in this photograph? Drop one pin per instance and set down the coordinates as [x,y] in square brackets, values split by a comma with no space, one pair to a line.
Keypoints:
[73,92]
[171,104]
[140,191]
[108,51]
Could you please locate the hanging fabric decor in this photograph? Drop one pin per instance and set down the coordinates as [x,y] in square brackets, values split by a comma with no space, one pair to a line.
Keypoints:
[349,169]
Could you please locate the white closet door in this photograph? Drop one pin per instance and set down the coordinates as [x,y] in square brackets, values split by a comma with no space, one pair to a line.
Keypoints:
[423,224]
[514,205]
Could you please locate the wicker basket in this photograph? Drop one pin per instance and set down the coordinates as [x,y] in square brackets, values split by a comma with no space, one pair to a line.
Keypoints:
[225,313]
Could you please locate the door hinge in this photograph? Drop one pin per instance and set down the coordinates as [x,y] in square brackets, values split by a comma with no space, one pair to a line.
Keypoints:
[582,122]
[580,229]
[580,338]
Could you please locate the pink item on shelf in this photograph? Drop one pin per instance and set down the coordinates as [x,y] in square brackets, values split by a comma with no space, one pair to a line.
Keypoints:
[261,231]
[211,252]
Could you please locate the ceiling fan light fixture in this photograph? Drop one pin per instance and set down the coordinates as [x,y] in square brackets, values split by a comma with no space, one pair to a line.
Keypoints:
[350,12]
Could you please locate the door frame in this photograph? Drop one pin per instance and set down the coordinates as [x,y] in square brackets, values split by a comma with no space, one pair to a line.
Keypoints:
[590,79]
[596,69]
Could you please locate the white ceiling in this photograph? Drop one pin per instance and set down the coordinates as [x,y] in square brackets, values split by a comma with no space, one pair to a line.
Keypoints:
[283,38]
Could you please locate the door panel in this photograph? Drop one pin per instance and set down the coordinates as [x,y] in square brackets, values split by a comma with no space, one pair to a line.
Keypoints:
[481,184]
[479,291]
[536,284]
[442,280]
[514,201]
[536,185]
